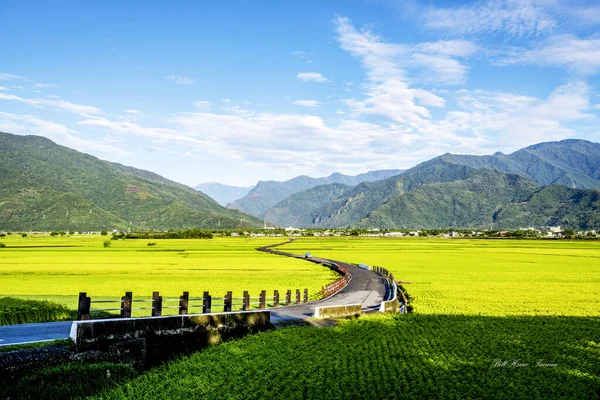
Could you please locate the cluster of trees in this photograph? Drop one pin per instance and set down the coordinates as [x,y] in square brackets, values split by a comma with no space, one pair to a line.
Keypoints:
[182,234]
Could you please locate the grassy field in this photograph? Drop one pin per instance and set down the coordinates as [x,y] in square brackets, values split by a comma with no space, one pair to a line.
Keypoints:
[389,357]
[57,269]
[493,319]
[480,277]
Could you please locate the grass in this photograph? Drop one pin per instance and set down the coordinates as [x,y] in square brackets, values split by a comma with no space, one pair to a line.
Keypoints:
[39,267]
[480,277]
[69,381]
[385,356]
[19,311]
[59,342]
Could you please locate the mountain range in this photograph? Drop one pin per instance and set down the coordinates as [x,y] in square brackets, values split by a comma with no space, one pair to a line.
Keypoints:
[50,187]
[549,183]
[268,193]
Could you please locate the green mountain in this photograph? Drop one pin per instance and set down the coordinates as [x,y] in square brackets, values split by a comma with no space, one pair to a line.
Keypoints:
[553,205]
[473,191]
[295,210]
[441,194]
[50,187]
[268,193]
[367,197]
[573,163]
[223,194]
[470,202]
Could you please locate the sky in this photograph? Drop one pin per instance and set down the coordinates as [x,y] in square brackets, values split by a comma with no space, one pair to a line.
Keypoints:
[238,91]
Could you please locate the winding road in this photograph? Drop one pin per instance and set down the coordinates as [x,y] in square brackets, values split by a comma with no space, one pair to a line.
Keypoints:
[366,287]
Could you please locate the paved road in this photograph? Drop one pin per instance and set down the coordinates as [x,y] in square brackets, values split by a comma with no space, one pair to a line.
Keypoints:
[365,287]
[26,333]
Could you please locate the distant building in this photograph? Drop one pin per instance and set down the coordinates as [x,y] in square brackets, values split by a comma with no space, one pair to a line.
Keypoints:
[394,234]
[553,229]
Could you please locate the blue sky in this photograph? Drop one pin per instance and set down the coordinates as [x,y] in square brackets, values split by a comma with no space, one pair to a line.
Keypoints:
[237,91]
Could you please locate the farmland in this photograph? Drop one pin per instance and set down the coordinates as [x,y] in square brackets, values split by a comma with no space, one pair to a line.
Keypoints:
[492,318]
[480,277]
[53,268]
[388,357]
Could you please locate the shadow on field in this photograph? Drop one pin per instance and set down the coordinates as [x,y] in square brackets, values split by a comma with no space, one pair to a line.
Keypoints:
[388,356]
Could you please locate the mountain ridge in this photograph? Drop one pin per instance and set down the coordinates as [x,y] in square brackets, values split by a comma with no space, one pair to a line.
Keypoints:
[268,193]
[37,173]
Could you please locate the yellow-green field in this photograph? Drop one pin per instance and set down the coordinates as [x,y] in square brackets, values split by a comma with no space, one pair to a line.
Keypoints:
[480,277]
[36,267]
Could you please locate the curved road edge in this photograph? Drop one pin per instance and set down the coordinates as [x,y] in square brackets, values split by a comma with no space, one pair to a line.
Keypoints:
[366,287]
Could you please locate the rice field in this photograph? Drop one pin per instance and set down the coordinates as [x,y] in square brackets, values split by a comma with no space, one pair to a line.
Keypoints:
[499,319]
[41,267]
[480,277]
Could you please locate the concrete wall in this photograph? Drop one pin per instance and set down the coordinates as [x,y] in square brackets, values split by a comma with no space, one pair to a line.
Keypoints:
[391,305]
[146,341]
[338,311]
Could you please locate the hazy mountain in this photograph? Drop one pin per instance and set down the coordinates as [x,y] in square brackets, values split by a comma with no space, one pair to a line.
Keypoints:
[268,193]
[223,194]
[295,210]
[49,187]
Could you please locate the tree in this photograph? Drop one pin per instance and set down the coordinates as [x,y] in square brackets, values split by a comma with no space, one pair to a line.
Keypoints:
[2,235]
[104,233]
[2,245]
[62,233]
[53,234]
[23,235]
[107,244]
[568,233]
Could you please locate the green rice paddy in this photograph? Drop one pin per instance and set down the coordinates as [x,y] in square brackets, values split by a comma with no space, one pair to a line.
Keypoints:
[480,277]
[53,268]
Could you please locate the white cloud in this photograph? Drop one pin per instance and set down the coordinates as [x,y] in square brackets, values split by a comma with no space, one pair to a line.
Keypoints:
[451,48]
[226,100]
[308,103]
[8,77]
[181,80]
[303,56]
[578,55]
[441,69]
[31,125]
[132,111]
[508,120]
[3,88]
[53,103]
[590,15]
[388,95]
[45,85]
[516,18]
[311,77]
[202,105]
